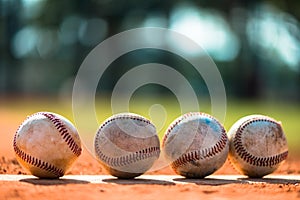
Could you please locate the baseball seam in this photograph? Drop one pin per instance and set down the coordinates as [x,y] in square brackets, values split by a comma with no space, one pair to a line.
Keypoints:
[130,158]
[36,162]
[124,117]
[61,127]
[251,159]
[199,154]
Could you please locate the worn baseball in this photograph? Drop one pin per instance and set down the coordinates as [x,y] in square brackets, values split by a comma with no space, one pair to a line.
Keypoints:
[195,145]
[46,145]
[257,145]
[127,145]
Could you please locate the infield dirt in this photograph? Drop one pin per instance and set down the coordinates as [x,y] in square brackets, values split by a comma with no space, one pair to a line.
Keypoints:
[136,189]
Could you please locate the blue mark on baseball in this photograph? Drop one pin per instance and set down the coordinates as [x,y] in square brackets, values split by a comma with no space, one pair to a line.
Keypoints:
[210,122]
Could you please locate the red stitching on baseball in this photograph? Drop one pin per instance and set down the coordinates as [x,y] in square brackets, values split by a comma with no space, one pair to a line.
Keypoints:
[124,116]
[251,159]
[37,162]
[128,159]
[61,127]
[199,154]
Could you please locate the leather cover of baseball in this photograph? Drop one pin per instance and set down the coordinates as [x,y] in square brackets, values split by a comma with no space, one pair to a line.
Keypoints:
[47,144]
[195,145]
[257,145]
[127,145]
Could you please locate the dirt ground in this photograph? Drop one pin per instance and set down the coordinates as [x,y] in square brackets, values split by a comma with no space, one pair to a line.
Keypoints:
[86,165]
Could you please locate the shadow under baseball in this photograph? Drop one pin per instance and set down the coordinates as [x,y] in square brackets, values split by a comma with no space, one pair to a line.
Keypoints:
[63,181]
[217,181]
[137,181]
[207,181]
[270,180]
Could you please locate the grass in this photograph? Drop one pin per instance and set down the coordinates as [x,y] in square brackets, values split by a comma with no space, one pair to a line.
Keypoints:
[162,111]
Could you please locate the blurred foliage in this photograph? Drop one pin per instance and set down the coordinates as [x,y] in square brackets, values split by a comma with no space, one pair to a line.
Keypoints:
[255,44]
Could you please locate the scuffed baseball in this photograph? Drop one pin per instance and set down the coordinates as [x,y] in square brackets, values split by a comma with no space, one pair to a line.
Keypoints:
[127,145]
[257,145]
[46,145]
[195,145]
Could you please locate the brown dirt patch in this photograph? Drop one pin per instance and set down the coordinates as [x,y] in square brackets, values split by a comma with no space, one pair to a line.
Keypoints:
[114,190]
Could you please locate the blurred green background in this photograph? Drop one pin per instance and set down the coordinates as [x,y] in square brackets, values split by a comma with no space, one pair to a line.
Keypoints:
[255,45]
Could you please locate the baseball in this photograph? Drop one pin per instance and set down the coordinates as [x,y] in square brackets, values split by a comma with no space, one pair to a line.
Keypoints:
[46,145]
[257,145]
[127,145]
[195,145]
